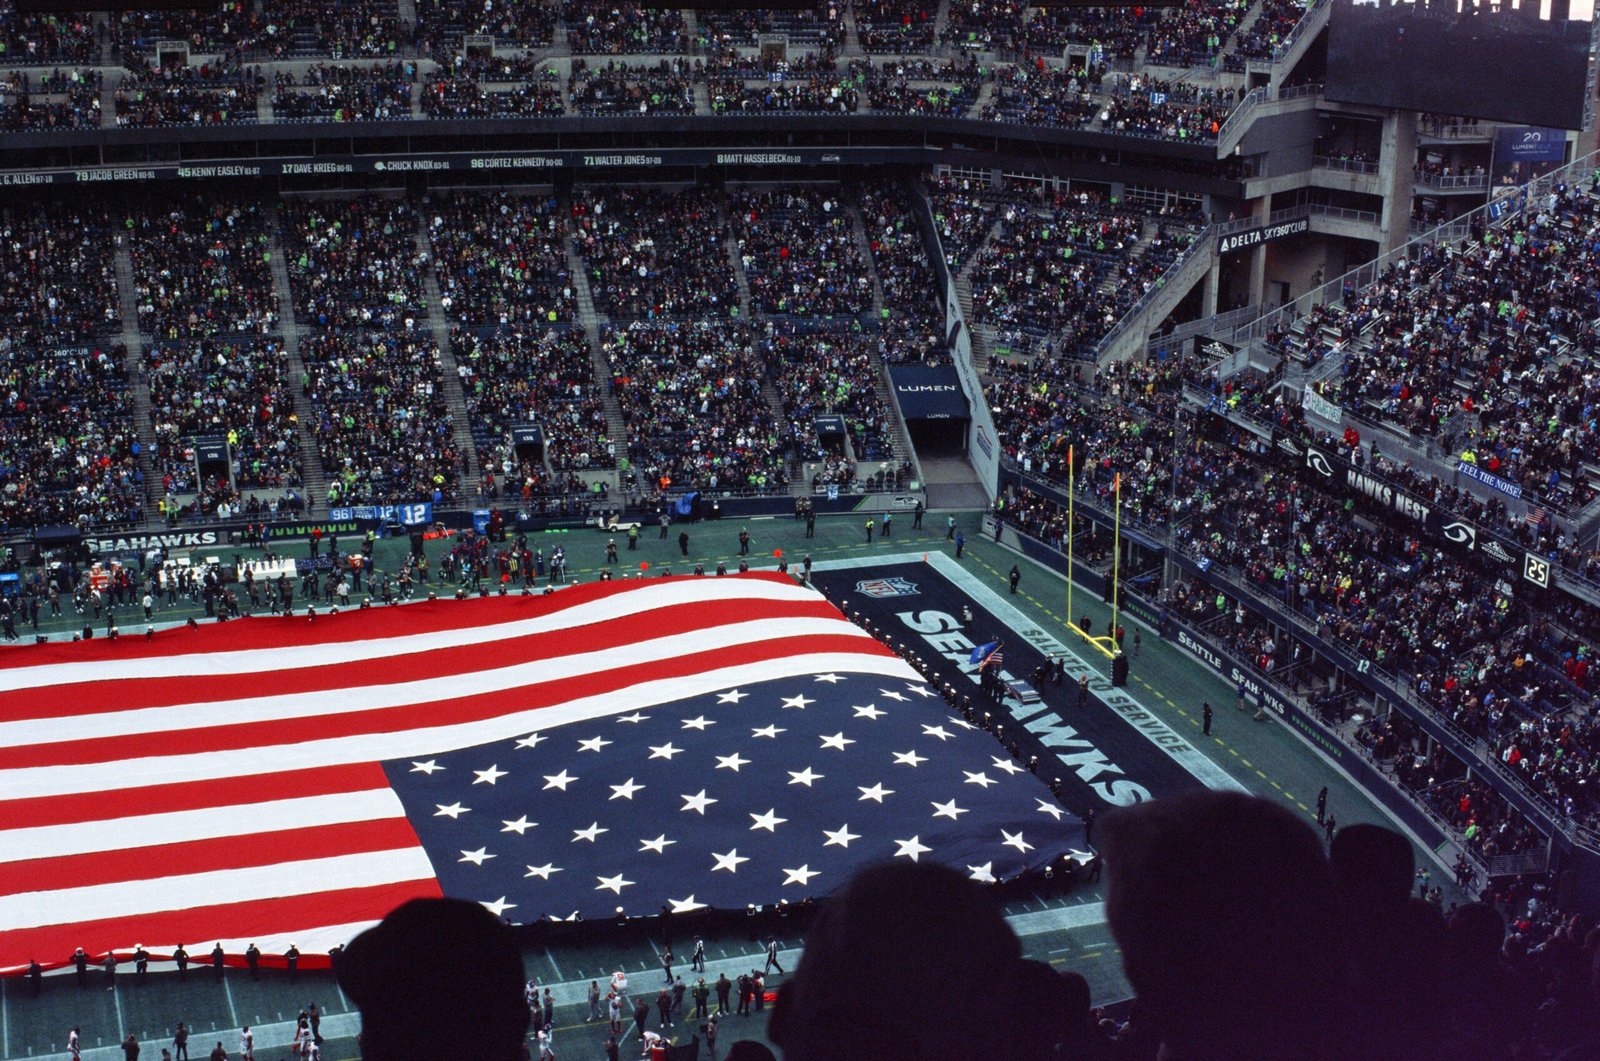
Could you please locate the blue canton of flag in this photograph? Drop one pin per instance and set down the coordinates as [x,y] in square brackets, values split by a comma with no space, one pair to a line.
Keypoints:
[775,790]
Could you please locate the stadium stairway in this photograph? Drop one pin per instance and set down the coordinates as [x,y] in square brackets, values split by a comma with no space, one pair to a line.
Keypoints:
[315,486]
[1309,29]
[858,226]
[941,20]
[982,334]
[731,241]
[616,426]
[450,369]
[108,99]
[128,300]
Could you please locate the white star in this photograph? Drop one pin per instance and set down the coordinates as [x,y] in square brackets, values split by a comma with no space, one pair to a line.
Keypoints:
[912,849]
[732,762]
[520,826]
[910,758]
[937,731]
[588,834]
[499,906]
[635,718]
[698,723]
[664,751]
[767,731]
[831,679]
[532,740]
[983,780]
[658,845]
[729,862]
[801,876]
[891,694]
[452,810]
[561,780]
[1016,841]
[838,740]
[428,767]
[1048,808]
[840,836]
[732,696]
[697,803]
[797,701]
[875,793]
[684,906]
[542,872]
[948,810]
[920,690]
[615,884]
[489,776]
[768,821]
[983,873]
[871,711]
[963,723]
[625,790]
[1005,764]
[593,744]
[477,858]
[803,777]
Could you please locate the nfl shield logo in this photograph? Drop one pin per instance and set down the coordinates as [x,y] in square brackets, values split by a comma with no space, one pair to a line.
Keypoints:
[887,587]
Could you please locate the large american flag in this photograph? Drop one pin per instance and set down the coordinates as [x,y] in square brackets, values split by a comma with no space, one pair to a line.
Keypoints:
[673,743]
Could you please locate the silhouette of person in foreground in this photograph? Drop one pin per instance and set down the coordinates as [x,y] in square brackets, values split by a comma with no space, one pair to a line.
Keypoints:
[437,971]
[944,937]
[1224,907]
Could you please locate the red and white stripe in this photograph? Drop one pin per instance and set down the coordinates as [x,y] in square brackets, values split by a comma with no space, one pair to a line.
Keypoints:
[221,784]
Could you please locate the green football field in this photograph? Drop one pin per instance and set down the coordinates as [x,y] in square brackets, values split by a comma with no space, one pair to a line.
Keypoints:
[1067,930]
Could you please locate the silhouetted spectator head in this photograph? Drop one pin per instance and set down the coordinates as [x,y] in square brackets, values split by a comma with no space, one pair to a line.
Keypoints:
[1477,932]
[437,970]
[1222,904]
[1372,868]
[750,1050]
[1076,1008]
[939,936]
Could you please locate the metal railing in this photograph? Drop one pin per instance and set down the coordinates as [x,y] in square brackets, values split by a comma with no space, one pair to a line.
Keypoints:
[1450,181]
[1341,213]
[1347,165]
[1228,228]
[1364,276]
[1242,114]
[1308,22]
[1200,248]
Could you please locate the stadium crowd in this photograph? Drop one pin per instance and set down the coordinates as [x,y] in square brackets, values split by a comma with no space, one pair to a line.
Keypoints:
[238,390]
[799,253]
[544,377]
[1490,331]
[328,92]
[203,269]
[379,415]
[499,258]
[61,99]
[691,394]
[461,95]
[911,322]
[220,94]
[823,372]
[68,448]
[354,262]
[653,253]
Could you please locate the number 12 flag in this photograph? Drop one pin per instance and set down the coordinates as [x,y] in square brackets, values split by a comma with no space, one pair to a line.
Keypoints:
[675,743]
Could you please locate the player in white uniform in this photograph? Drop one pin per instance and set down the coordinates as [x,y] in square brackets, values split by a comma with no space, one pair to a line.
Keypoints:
[72,1045]
[247,1044]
